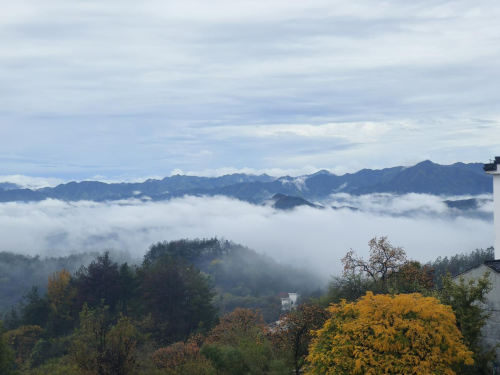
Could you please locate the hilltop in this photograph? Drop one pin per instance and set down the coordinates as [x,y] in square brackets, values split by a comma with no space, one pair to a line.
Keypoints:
[425,177]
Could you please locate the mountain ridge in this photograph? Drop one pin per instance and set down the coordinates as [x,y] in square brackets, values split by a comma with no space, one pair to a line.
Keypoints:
[425,177]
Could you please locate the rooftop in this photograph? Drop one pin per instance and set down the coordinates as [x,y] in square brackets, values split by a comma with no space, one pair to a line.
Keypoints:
[492,167]
[494,265]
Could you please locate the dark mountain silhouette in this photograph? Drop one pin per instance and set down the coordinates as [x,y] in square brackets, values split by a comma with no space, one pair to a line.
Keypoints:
[8,186]
[425,177]
[287,202]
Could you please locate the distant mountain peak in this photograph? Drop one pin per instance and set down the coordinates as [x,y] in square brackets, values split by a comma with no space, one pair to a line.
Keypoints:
[287,202]
[320,172]
[426,163]
[425,177]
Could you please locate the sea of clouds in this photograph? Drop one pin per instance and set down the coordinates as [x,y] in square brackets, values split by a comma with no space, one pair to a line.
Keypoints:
[306,237]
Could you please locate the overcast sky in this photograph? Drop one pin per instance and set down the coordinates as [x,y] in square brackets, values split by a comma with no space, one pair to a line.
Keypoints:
[122,89]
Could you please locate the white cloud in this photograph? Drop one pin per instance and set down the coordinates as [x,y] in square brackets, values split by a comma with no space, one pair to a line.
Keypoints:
[148,87]
[31,182]
[276,172]
[307,237]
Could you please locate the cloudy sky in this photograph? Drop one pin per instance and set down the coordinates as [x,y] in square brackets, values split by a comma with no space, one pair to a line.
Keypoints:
[122,89]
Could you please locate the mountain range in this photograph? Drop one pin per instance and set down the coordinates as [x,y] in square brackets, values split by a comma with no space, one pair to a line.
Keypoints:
[425,177]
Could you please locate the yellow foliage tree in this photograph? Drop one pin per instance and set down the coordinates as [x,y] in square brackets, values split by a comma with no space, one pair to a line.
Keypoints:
[383,334]
[22,341]
[61,294]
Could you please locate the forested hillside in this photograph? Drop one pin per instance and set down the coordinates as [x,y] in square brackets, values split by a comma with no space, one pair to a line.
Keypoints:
[213,307]
[240,276]
[459,263]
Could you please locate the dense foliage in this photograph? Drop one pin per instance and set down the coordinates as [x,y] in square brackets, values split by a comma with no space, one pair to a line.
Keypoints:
[460,262]
[467,298]
[18,273]
[242,277]
[107,317]
[381,334]
[183,310]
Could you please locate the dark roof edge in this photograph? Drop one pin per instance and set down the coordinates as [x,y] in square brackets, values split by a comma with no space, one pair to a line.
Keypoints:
[488,263]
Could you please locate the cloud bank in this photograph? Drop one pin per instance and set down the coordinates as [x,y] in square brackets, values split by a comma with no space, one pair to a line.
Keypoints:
[144,88]
[316,239]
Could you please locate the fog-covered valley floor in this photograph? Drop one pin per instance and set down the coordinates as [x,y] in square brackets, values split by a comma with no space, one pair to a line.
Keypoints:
[308,237]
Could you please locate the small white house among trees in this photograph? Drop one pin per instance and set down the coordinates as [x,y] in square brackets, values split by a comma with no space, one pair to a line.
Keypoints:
[290,302]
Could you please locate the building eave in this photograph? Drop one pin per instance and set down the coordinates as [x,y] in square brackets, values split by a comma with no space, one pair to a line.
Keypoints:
[479,265]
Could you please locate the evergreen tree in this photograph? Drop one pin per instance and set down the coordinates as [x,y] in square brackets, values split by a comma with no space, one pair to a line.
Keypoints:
[100,280]
[178,296]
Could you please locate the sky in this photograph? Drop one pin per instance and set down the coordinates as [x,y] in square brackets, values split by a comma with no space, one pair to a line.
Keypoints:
[127,90]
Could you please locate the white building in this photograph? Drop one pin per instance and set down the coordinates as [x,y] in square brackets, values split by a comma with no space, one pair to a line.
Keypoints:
[492,169]
[290,302]
[491,332]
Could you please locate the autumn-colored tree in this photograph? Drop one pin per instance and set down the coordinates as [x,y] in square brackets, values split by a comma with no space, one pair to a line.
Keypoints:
[467,299]
[101,348]
[413,277]
[239,345]
[388,268]
[383,334]
[61,295]
[240,322]
[177,355]
[385,260]
[22,341]
[293,333]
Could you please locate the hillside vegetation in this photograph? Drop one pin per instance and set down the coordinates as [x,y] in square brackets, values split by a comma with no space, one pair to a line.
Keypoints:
[213,307]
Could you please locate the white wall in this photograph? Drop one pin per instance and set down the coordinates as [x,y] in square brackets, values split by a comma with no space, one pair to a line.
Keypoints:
[491,332]
[496,196]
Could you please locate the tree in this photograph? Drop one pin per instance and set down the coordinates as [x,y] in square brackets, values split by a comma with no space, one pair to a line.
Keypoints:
[380,334]
[238,345]
[233,326]
[12,320]
[385,260]
[460,262]
[179,298]
[348,288]
[128,284]
[100,280]
[388,268]
[412,277]
[6,355]
[293,333]
[102,348]
[467,299]
[22,341]
[34,309]
[181,355]
[61,294]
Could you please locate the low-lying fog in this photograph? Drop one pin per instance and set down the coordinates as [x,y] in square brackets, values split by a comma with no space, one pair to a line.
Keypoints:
[307,237]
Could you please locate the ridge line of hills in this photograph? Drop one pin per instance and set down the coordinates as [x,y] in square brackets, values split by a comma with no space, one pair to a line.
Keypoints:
[425,177]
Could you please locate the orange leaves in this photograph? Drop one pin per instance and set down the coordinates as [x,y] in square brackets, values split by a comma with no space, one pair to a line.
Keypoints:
[405,334]
[61,294]
[237,323]
[177,354]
